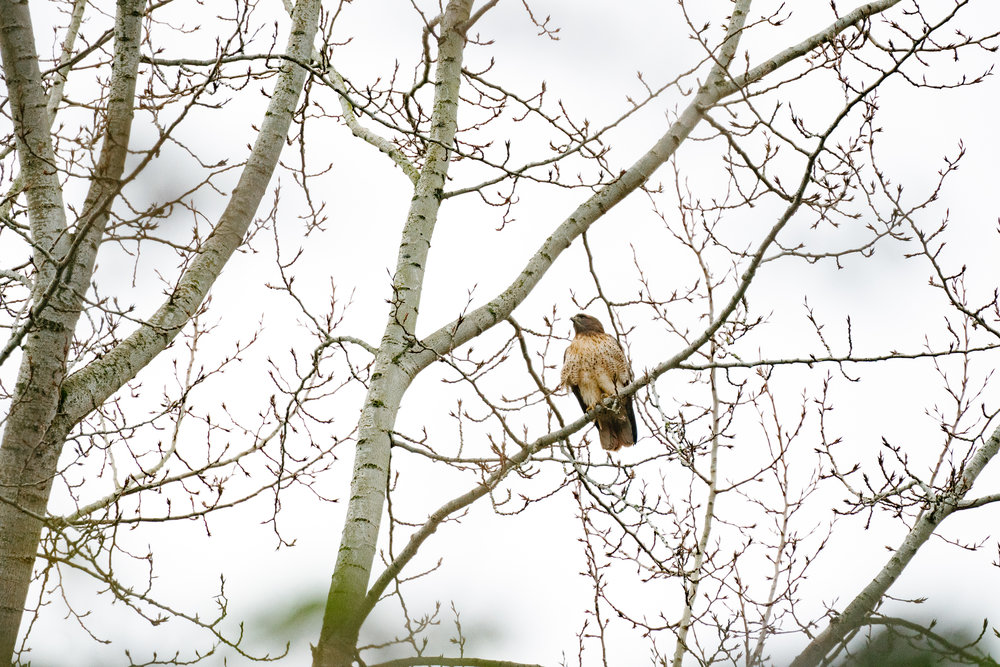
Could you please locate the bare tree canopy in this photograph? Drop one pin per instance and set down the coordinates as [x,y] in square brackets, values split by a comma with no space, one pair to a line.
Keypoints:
[286,288]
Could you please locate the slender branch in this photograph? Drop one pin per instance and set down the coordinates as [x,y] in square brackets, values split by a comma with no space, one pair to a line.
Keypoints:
[792,53]
[370,349]
[979,502]
[450,662]
[363,133]
[856,613]
[954,650]
[809,361]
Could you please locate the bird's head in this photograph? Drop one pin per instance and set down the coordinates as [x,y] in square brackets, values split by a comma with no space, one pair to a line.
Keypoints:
[583,323]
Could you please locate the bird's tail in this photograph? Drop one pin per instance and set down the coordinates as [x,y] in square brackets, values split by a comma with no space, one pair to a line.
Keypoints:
[615,432]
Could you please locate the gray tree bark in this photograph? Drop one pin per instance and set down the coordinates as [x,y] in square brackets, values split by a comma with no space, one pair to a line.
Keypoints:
[47,404]
[64,264]
[390,378]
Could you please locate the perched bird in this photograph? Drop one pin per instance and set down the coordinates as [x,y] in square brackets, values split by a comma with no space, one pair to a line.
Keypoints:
[595,368]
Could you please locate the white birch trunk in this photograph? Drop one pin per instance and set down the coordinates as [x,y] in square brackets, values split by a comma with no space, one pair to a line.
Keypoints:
[343,615]
[27,462]
[88,388]
[47,405]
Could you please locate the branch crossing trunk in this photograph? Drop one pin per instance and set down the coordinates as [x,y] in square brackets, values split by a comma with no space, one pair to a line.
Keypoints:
[345,610]
[47,404]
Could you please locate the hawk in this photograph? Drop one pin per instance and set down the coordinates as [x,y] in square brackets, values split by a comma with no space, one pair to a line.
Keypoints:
[595,368]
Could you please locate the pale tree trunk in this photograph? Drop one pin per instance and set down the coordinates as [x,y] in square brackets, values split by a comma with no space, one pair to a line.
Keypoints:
[88,388]
[55,96]
[46,404]
[343,615]
[64,263]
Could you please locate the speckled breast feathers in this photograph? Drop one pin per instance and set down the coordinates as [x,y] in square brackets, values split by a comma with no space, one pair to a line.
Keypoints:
[595,368]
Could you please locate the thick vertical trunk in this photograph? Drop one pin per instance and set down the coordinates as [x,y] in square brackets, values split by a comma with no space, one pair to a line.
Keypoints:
[47,404]
[344,610]
[26,465]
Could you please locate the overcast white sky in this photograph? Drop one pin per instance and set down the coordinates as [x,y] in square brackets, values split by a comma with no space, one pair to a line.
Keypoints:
[516,580]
